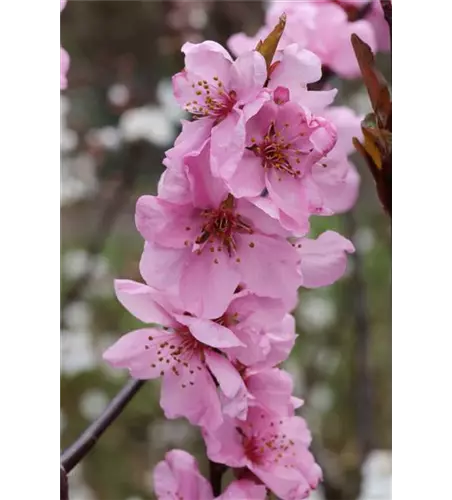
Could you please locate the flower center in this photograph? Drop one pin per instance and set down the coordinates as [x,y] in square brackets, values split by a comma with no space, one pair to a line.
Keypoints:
[211,100]
[221,226]
[277,153]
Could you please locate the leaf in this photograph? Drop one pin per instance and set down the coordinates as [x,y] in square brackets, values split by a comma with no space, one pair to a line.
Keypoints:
[268,47]
[376,85]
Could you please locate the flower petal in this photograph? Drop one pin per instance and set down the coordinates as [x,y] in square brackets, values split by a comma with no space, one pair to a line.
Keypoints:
[210,333]
[248,76]
[226,375]
[140,300]
[324,260]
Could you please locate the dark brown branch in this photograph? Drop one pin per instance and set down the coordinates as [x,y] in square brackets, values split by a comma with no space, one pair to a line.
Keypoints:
[216,472]
[387,9]
[78,450]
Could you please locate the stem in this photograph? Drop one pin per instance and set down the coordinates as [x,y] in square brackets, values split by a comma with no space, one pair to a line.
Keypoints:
[216,472]
[387,9]
[78,450]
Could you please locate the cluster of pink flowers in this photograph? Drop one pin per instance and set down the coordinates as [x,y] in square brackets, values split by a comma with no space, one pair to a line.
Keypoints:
[323,27]
[64,58]
[226,250]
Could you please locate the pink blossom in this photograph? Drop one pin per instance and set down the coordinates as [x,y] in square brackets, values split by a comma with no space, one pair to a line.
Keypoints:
[283,142]
[268,388]
[178,477]
[323,260]
[184,353]
[274,449]
[335,180]
[224,92]
[64,67]
[208,243]
[320,27]
[244,489]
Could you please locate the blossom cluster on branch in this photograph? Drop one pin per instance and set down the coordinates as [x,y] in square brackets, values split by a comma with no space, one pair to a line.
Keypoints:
[227,247]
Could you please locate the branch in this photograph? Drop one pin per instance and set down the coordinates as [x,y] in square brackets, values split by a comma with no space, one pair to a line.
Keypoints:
[78,450]
[216,472]
[387,9]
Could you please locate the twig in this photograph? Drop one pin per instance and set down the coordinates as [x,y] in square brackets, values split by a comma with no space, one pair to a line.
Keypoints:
[387,9]
[78,450]
[216,472]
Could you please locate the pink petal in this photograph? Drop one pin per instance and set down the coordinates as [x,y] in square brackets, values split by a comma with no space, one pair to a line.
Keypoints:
[277,257]
[244,489]
[240,42]
[272,389]
[166,223]
[178,475]
[162,267]
[296,67]
[210,333]
[197,401]
[140,300]
[190,141]
[227,145]
[261,220]
[324,260]
[315,101]
[337,184]
[248,180]
[207,191]
[348,125]
[286,483]
[130,352]
[225,444]
[207,60]
[282,339]
[64,67]
[248,76]
[208,284]
[344,61]
[290,196]
[226,375]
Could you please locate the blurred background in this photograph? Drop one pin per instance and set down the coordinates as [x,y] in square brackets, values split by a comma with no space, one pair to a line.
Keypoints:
[117,119]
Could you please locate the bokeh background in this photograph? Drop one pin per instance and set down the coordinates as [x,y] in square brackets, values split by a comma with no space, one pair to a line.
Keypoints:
[117,119]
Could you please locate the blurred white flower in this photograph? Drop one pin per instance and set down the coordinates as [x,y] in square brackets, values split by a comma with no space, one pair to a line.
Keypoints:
[197,18]
[76,262]
[77,316]
[106,137]
[92,403]
[377,476]
[77,487]
[118,94]
[364,239]
[321,398]
[327,360]
[149,123]
[77,353]
[78,179]
[68,138]
[170,433]
[316,313]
